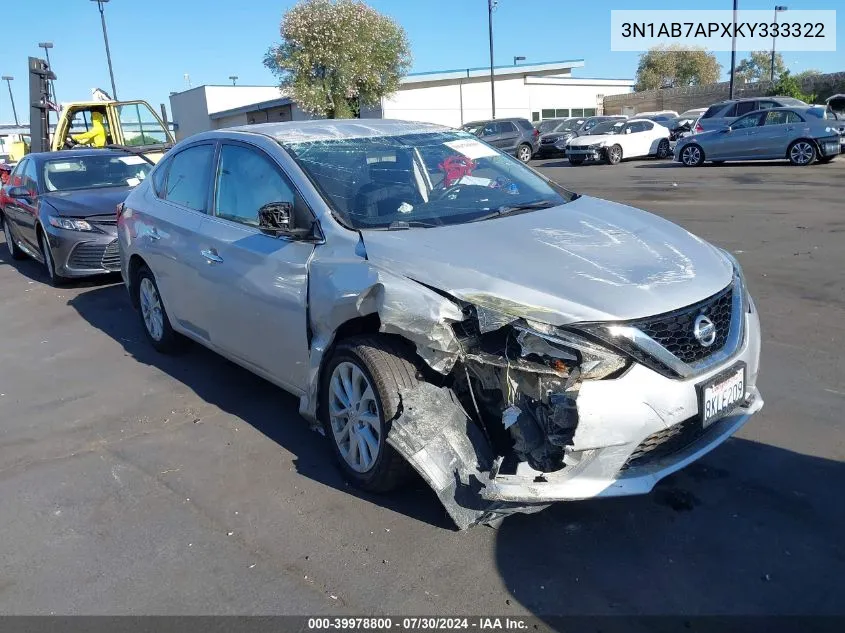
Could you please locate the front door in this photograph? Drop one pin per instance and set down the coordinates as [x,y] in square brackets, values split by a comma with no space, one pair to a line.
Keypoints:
[260,282]
[23,212]
[741,140]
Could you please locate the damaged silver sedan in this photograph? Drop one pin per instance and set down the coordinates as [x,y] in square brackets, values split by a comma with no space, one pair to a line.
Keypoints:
[438,306]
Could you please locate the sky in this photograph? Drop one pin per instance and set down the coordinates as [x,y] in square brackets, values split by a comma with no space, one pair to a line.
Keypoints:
[154,43]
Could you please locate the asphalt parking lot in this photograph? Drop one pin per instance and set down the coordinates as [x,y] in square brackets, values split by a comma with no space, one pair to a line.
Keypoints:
[132,483]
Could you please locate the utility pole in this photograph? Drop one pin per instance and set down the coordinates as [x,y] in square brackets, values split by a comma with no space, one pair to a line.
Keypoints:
[100,4]
[733,52]
[778,9]
[47,46]
[234,79]
[8,81]
[491,4]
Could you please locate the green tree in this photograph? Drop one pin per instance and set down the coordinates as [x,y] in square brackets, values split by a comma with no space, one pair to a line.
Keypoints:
[758,65]
[788,85]
[336,56]
[675,66]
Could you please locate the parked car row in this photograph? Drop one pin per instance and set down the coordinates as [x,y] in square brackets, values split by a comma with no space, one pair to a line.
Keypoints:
[435,304]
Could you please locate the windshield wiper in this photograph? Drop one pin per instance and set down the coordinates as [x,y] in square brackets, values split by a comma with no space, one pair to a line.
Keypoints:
[526,206]
[402,225]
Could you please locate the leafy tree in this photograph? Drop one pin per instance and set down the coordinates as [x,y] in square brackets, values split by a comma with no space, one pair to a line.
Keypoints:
[675,66]
[807,74]
[758,65]
[336,56]
[788,85]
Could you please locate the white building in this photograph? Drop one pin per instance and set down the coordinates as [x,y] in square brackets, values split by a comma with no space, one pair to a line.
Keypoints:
[452,97]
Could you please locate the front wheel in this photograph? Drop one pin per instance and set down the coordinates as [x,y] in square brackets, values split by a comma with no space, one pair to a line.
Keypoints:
[692,155]
[49,263]
[663,149]
[524,153]
[360,396]
[802,153]
[614,155]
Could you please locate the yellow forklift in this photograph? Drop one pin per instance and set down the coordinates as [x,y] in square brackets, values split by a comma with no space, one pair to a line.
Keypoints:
[102,122]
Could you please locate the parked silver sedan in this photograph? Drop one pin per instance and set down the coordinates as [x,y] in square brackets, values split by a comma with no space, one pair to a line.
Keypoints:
[802,135]
[436,305]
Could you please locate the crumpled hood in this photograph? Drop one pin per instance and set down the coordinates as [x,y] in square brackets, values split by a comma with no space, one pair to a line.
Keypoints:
[588,260]
[87,202]
[587,139]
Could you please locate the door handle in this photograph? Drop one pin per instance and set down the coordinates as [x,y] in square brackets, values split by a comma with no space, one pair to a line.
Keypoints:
[212,256]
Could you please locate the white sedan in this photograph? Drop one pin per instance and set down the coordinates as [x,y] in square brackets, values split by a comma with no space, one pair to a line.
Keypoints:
[614,141]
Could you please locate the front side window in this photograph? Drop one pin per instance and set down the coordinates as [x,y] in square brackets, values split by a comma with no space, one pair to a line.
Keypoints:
[424,180]
[140,126]
[94,172]
[188,176]
[751,120]
[246,181]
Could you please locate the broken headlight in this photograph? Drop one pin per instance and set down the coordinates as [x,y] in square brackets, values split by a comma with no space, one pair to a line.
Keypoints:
[561,349]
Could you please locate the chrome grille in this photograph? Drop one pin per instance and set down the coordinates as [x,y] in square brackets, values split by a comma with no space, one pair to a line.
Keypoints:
[91,256]
[674,330]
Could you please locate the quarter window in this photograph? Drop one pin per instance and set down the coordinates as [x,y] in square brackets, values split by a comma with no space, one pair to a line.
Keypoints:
[246,181]
[188,176]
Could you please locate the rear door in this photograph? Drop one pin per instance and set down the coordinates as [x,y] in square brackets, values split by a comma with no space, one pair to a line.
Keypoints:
[777,132]
[507,136]
[259,281]
[168,236]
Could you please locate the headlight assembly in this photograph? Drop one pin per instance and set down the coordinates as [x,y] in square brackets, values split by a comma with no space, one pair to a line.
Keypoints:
[566,349]
[70,224]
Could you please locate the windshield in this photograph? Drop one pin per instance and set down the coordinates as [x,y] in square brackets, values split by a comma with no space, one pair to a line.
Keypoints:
[790,101]
[420,180]
[94,172]
[550,125]
[607,127]
[571,124]
[473,128]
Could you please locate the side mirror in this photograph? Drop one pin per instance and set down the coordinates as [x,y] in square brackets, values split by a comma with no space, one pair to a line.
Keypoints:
[727,130]
[276,219]
[19,192]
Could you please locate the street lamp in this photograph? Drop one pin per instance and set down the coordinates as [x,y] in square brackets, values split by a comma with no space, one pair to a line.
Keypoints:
[733,51]
[100,4]
[8,81]
[47,46]
[518,58]
[491,5]
[778,8]
[234,79]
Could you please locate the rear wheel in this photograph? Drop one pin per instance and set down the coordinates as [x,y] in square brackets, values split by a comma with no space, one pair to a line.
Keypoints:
[153,315]
[613,155]
[692,155]
[14,251]
[802,153]
[524,152]
[49,263]
[663,149]
[360,396]
[576,160]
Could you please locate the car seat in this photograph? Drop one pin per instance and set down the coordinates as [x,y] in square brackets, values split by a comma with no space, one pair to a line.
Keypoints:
[391,184]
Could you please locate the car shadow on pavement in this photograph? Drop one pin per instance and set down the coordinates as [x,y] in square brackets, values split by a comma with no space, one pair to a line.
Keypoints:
[749,530]
[238,392]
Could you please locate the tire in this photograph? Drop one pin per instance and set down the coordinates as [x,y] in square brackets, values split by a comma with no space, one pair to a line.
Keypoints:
[802,153]
[524,152]
[55,278]
[613,155]
[576,160]
[154,319]
[663,149]
[692,155]
[384,365]
[14,251]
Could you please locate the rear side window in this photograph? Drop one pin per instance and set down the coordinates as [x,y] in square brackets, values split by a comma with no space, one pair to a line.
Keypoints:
[744,107]
[524,124]
[713,111]
[781,117]
[505,127]
[188,177]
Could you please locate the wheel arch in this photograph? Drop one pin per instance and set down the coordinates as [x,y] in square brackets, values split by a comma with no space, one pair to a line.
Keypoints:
[136,262]
[811,141]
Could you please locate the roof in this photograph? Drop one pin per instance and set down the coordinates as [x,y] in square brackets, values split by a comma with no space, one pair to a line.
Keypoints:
[333,129]
[499,71]
[252,107]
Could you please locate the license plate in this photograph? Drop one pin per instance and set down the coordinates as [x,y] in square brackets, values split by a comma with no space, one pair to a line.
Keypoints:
[721,395]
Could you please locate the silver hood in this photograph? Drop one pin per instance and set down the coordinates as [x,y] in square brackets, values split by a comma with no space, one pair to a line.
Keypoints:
[588,260]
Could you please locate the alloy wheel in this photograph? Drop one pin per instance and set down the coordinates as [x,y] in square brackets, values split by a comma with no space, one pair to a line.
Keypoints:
[355,417]
[691,156]
[49,264]
[151,309]
[524,153]
[802,153]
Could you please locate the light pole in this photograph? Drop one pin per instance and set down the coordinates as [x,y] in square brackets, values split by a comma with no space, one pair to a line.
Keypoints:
[491,4]
[47,46]
[8,81]
[100,4]
[778,9]
[733,52]
[234,79]
[518,58]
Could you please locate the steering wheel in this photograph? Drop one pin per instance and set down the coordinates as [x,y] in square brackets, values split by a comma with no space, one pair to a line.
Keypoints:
[456,190]
[70,143]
